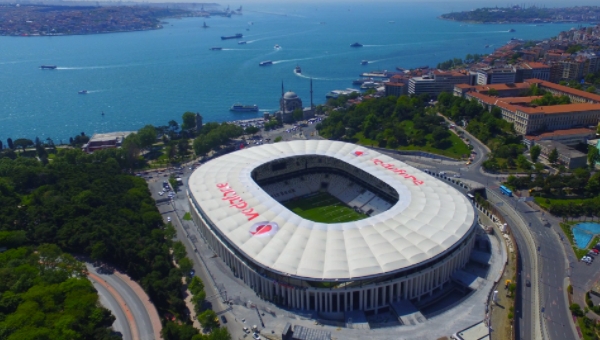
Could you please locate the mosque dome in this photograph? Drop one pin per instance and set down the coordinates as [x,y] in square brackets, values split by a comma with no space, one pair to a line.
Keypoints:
[290,95]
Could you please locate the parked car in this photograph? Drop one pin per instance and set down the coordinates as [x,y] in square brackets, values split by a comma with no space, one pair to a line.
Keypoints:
[160,193]
[169,219]
[596,251]
[527,283]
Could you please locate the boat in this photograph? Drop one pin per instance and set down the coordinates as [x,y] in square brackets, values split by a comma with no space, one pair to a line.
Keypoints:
[244,108]
[216,48]
[205,25]
[83,92]
[265,63]
[356,44]
[361,81]
[241,42]
[391,21]
[48,67]
[276,47]
[511,30]
[236,36]
[486,46]
[298,70]
[375,74]
[364,62]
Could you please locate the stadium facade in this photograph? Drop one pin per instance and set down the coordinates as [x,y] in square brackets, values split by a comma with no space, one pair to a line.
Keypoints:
[418,232]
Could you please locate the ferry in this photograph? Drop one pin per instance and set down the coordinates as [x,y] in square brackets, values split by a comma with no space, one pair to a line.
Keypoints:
[236,36]
[265,63]
[364,62]
[298,70]
[241,42]
[361,81]
[244,108]
[216,48]
[511,30]
[356,44]
[83,92]
[48,67]
[277,47]
[375,74]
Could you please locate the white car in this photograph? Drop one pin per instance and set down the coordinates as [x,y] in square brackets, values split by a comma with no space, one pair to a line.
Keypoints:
[160,193]
[169,219]
[256,336]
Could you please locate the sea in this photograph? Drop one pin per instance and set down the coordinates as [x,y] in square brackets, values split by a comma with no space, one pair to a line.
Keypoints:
[152,77]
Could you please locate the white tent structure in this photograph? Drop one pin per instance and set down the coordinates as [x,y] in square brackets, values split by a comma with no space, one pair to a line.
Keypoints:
[414,246]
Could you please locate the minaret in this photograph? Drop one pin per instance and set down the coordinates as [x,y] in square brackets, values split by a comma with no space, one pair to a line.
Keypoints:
[281,101]
[311,95]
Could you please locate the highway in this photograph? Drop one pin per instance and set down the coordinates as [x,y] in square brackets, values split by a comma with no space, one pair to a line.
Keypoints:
[551,257]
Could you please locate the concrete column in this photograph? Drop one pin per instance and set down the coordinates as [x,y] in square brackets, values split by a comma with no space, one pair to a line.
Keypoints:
[351,301]
[337,297]
[376,299]
[318,301]
[346,302]
[360,299]
[329,302]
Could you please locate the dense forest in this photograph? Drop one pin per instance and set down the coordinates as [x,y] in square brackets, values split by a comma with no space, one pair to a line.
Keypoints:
[86,205]
[390,122]
[44,294]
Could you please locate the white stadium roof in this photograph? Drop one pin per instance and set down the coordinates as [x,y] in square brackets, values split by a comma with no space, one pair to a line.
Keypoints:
[429,218]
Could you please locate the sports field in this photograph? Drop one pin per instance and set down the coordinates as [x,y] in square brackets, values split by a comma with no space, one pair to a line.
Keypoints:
[324,208]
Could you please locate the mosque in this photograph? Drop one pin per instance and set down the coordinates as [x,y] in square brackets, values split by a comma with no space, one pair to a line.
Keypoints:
[289,102]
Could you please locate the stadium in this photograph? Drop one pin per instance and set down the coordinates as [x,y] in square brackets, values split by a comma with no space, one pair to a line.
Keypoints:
[331,227]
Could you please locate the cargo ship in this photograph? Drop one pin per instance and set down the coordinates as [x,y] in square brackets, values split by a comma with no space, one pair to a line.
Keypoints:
[265,63]
[48,67]
[236,36]
[356,44]
[244,108]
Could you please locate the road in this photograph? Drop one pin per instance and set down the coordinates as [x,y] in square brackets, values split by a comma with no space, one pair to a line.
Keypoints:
[551,258]
[130,310]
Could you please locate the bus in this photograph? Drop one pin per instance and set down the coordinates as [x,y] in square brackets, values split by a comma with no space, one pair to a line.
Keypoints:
[505,191]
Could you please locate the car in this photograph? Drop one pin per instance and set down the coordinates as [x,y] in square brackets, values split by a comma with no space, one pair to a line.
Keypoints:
[256,336]
[192,273]
[166,175]
[457,176]
[160,193]
[527,283]
[223,319]
[169,219]
[468,163]
[246,330]
[442,173]
[596,251]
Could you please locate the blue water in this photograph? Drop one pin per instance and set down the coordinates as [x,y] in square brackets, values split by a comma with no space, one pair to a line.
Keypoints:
[152,77]
[584,232]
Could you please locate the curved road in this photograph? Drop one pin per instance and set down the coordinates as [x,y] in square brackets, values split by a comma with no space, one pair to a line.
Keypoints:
[129,306]
[551,257]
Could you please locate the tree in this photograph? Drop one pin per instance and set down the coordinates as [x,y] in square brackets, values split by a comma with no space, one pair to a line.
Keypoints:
[553,156]
[220,334]
[201,147]
[208,319]
[534,153]
[297,115]
[186,265]
[593,156]
[523,163]
[591,89]
[23,143]
[493,92]
[250,130]
[1,145]
[277,139]
[189,121]
[10,144]
[146,136]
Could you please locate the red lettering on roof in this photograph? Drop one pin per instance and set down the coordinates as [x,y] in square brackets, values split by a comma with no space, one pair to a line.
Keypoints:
[398,171]
[236,201]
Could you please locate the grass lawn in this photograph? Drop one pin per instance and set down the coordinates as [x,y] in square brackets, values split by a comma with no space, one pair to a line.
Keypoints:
[567,229]
[457,150]
[324,208]
[541,201]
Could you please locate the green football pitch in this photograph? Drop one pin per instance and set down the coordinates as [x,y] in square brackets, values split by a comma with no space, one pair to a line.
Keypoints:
[324,208]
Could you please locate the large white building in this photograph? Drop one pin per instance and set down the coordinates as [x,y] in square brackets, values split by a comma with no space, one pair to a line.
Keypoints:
[418,232]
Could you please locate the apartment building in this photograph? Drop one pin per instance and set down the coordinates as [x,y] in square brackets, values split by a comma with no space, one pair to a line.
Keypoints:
[439,81]
[490,75]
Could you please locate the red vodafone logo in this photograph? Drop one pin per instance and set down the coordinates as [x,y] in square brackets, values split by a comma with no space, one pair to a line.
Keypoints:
[359,153]
[264,229]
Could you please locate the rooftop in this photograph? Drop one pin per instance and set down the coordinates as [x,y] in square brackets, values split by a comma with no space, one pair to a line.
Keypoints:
[556,133]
